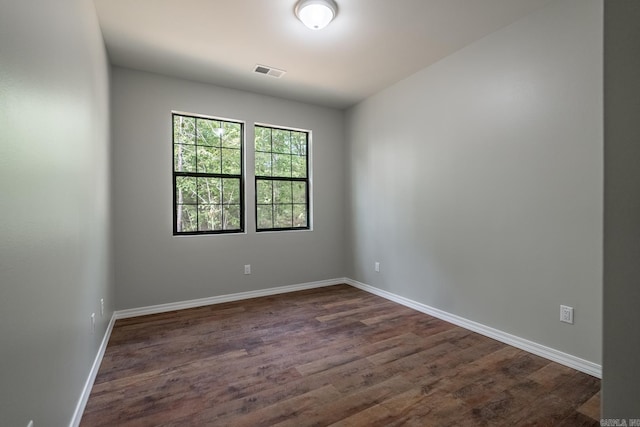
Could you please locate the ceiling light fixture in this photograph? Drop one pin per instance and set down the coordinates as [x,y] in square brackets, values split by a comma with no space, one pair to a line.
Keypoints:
[316,14]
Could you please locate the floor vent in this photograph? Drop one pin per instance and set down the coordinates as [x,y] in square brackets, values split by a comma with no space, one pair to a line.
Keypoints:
[269,71]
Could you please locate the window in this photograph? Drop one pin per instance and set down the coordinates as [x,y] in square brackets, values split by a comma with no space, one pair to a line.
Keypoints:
[207,175]
[282,179]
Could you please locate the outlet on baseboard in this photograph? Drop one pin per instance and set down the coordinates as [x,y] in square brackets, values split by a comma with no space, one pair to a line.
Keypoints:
[102,307]
[376,266]
[566,314]
[247,269]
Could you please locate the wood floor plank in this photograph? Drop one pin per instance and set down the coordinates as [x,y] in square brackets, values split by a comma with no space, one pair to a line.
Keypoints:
[328,356]
[348,404]
[364,312]
[591,408]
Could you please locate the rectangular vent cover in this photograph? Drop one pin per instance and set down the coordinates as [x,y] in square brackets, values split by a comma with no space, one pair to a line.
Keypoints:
[269,71]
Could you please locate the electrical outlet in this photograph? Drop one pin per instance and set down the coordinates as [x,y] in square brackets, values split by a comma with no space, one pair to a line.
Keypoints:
[102,307]
[247,269]
[93,323]
[566,314]
[377,267]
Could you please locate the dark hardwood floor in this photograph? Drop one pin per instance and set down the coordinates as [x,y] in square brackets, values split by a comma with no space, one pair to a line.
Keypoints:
[330,356]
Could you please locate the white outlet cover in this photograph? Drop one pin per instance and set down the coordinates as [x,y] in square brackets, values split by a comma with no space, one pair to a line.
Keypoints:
[566,314]
[247,269]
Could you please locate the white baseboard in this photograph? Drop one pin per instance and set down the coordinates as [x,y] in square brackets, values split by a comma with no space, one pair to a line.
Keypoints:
[181,305]
[515,341]
[88,385]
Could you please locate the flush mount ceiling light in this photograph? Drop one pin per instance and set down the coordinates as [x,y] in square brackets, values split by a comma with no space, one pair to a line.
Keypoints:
[316,14]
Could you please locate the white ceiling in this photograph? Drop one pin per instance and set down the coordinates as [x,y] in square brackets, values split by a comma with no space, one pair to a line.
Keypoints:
[369,46]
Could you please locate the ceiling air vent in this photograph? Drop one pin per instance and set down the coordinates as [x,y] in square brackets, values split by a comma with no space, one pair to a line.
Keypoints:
[269,71]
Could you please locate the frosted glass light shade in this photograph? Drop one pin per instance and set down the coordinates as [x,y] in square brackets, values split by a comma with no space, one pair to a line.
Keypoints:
[316,14]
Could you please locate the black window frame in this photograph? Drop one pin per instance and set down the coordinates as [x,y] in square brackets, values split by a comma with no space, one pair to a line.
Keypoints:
[305,180]
[176,174]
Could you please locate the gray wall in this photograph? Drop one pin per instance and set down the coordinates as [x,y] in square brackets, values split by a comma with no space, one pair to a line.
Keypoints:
[621,346]
[153,266]
[477,182]
[54,180]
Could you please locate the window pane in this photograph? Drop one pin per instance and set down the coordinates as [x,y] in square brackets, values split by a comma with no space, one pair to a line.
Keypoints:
[299,215]
[208,159]
[282,218]
[263,164]
[186,190]
[231,161]
[201,147]
[299,143]
[282,155]
[299,166]
[281,141]
[209,191]
[208,132]
[263,138]
[209,217]
[282,192]
[264,191]
[231,191]
[264,216]
[231,135]
[299,192]
[184,158]
[282,165]
[184,130]
[231,217]
[186,218]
